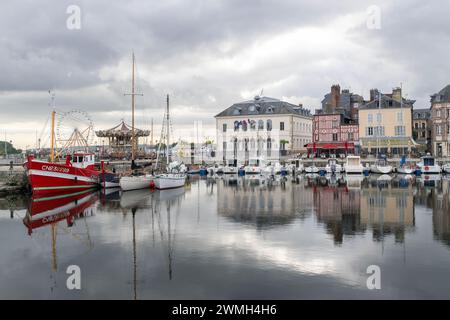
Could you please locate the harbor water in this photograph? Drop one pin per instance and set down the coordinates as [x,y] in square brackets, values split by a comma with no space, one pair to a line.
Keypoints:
[233,238]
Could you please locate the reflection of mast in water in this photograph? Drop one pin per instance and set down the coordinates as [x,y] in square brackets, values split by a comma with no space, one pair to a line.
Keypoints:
[169,240]
[170,237]
[54,260]
[133,211]
[198,202]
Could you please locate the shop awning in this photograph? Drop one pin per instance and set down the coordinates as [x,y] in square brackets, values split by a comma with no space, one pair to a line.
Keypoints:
[328,146]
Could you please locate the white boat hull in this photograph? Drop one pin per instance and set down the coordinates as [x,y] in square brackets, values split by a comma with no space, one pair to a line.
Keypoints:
[312,169]
[135,182]
[381,169]
[252,170]
[111,184]
[430,169]
[446,168]
[406,170]
[353,169]
[230,170]
[169,181]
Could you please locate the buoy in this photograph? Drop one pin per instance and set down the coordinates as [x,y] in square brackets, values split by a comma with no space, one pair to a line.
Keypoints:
[152,185]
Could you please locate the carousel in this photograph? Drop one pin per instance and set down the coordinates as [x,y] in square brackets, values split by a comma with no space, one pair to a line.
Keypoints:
[120,140]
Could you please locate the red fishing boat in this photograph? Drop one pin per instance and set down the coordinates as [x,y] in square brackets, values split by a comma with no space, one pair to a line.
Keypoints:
[76,174]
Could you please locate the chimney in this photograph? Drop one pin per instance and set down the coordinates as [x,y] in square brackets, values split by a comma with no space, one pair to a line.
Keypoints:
[335,96]
[373,94]
[397,94]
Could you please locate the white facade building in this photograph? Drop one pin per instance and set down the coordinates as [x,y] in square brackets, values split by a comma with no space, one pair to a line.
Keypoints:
[264,128]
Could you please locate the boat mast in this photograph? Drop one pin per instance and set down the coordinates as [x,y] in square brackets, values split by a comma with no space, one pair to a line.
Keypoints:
[168,130]
[133,94]
[52,137]
[133,135]
[378,121]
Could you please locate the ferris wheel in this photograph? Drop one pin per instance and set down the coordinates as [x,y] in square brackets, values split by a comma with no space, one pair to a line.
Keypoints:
[74,129]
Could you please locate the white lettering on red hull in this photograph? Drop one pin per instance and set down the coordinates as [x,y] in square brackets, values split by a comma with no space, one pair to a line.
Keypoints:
[55,169]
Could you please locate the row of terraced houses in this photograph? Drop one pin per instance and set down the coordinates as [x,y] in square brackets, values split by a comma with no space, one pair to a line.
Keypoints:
[346,123]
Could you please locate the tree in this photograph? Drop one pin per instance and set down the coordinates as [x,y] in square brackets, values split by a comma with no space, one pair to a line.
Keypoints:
[9,148]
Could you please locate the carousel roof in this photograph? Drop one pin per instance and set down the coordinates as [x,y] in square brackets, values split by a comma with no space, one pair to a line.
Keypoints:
[122,129]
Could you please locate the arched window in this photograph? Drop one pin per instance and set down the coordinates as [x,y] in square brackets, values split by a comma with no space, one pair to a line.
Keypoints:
[244,125]
[236,125]
[260,125]
[252,125]
[269,125]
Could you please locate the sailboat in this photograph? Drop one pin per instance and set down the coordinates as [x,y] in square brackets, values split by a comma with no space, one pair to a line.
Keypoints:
[134,182]
[175,177]
[405,168]
[381,167]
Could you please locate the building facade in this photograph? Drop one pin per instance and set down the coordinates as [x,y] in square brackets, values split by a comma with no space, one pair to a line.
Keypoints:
[385,124]
[333,134]
[440,119]
[343,102]
[422,128]
[335,125]
[262,128]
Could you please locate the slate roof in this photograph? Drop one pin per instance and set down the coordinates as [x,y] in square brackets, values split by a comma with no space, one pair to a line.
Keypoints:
[387,102]
[442,96]
[263,106]
[421,114]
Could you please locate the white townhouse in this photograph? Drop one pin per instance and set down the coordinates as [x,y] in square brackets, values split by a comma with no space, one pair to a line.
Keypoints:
[264,128]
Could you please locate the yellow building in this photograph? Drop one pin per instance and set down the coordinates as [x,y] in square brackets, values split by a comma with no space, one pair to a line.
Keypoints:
[386,125]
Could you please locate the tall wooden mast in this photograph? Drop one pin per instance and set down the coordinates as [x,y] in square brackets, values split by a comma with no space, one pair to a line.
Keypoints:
[168,130]
[132,94]
[52,134]
[133,134]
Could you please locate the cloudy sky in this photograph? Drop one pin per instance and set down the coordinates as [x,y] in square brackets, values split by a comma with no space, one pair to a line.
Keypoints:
[208,55]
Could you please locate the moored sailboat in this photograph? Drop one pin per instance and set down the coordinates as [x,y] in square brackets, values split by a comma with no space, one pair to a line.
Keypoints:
[175,177]
[381,167]
[139,181]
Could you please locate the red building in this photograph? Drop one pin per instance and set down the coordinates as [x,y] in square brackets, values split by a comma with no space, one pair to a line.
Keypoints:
[333,134]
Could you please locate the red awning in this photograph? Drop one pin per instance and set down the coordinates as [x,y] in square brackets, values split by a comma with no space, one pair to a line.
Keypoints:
[324,145]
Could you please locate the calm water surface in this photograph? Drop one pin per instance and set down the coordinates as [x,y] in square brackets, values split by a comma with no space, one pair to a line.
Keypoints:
[237,239]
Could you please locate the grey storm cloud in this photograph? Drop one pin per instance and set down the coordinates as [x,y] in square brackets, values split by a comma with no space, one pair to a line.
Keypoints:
[210,54]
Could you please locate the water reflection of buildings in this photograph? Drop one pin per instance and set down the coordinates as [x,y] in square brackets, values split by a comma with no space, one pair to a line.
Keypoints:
[386,207]
[438,200]
[263,203]
[338,207]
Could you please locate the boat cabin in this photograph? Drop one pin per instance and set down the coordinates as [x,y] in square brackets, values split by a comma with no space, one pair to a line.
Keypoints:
[428,161]
[82,160]
[353,161]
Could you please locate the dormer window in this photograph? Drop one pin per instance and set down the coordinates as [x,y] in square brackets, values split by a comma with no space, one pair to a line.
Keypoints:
[270,109]
[252,108]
